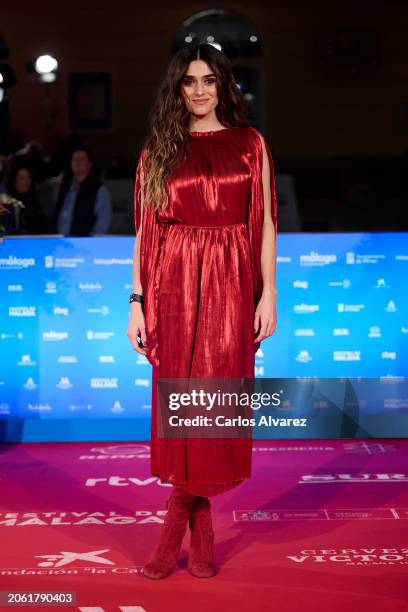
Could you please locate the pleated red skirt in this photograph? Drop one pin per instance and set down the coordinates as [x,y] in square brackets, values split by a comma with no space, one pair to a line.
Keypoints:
[205,319]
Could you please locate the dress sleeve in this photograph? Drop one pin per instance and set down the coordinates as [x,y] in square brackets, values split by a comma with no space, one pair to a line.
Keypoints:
[152,232]
[256,208]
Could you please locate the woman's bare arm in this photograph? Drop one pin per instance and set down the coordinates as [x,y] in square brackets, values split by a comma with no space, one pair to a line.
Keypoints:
[268,254]
[136,325]
[265,314]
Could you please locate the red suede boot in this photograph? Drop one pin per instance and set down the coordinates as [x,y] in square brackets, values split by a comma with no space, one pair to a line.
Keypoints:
[166,554]
[201,559]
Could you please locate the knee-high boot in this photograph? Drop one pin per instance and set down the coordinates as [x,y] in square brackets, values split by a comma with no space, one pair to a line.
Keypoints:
[165,556]
[201,560]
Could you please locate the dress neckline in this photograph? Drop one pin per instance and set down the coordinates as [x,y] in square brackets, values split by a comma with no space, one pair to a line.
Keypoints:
[211,132]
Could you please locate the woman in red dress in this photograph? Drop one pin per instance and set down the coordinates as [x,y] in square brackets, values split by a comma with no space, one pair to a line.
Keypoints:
[203,277]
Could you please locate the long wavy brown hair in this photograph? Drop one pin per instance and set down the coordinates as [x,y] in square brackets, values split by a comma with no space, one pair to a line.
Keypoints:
[169,118]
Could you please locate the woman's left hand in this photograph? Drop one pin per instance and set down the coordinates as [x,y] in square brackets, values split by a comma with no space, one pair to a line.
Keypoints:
[265,316]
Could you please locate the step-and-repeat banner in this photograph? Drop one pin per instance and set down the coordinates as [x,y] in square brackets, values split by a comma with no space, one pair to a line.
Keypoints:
[65,357]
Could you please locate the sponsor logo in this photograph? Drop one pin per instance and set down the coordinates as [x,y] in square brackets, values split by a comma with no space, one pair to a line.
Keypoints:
[391,307]
[317,259]
[367,258]
[299,448]
[30,385]
[346,355]
[305,331]
[103,310]
[54,336]
[389,355]
[123,451]
[298,284]
[305,308]
[26,361]
[64,383]
[345,283]
[90,287]
[39,407]
[22,311]
[104,383]
[60,310]
[16,263]
[355,448]
[74,407]
[126,481]
[374,331]
[303,356]
[50,287]
[4,408]
[321,514]
[112,261]
[381,284]
[352,556]
[99,335]
[396,403]
[342,307]
[62,262]
[4,336]
[142,382]
[352,478]
[392,378]
[67,359]
[61,519]
[14,288]
[370,448]
[117,407]
[341,331]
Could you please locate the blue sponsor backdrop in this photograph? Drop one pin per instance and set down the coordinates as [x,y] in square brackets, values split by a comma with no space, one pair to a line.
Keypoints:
[68,371]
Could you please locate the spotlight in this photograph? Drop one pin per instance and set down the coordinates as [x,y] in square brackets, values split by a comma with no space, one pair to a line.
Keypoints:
[45,64]
[45,67]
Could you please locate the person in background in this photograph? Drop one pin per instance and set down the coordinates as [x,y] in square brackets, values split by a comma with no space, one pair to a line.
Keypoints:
[84,206]
[19,184]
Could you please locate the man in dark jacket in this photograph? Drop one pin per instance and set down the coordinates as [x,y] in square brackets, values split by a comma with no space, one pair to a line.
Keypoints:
[84,205]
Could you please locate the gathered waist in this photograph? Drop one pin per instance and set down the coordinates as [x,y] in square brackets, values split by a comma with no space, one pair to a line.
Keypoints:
[204,227]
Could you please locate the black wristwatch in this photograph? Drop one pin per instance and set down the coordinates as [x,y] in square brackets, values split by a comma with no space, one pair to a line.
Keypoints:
[136,297]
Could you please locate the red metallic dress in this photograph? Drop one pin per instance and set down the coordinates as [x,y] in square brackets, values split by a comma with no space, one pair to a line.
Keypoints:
[200,270]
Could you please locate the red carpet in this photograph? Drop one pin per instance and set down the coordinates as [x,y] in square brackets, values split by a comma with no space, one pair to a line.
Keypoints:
[321,526]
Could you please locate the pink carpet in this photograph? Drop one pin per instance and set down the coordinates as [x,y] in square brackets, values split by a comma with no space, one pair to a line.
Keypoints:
[322,525]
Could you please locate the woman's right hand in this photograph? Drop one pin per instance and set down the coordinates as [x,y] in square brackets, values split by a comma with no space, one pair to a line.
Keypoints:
[136,328]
